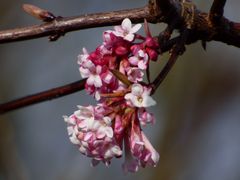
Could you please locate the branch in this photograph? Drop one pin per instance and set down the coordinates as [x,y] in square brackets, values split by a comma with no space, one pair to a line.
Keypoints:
[42,96]
[60,26]
[217,9]
[167,11]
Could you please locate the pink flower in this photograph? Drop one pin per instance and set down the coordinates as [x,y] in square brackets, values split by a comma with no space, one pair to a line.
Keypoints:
[85,64]
[83,57]
[145,117]
[140,96]
[94,137]
[135,141]
[89,70]
[100,56]
[150,156]
[139,59]
[139,150]
[130,165]
[94,76]
[135,75]
[150,43]
[126,30]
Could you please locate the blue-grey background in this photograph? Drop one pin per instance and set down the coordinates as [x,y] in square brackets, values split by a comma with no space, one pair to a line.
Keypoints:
[197,126]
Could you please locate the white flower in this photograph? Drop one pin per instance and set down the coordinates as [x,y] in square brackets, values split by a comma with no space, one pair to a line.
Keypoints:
[140,96]
[84,112]
[89,70]
[83,57]
[126,30]
[85,64]
[93,75]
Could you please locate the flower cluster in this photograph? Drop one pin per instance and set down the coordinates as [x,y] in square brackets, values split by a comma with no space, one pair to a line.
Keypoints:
[114,76]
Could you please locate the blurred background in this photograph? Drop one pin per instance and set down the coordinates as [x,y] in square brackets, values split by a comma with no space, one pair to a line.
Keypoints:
[198,113]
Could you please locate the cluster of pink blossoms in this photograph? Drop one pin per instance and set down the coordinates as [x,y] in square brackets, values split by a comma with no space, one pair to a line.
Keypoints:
[114,74]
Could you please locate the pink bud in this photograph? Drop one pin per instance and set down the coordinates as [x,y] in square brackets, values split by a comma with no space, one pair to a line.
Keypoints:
[152,54]
[121,50]
[97,58]
[151,42]
[90,89]
[135,48]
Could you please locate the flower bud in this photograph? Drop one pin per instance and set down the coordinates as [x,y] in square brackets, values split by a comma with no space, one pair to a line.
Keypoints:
[151,42]
[121,50]
[153,55]
[38,12]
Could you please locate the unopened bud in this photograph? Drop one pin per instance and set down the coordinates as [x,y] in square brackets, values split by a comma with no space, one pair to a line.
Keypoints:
[38,13]
[153,55]
[151,42]
[121,50]
[135,48]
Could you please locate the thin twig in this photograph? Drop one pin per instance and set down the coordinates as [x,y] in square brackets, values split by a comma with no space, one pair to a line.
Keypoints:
[42,96]
[162,75]
[176,51]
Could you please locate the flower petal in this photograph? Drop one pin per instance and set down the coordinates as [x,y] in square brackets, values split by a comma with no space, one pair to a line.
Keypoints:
[148,101]
[109,132]
[135,28]
[127,24]
[131,165]
[137,89]
[129,37]
[133,60]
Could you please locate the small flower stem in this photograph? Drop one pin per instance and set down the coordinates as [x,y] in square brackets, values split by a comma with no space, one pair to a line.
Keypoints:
[162,75]
[112,95]
[176,51]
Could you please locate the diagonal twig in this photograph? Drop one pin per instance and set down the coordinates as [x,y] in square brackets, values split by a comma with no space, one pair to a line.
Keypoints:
[42,96]
[176,51]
